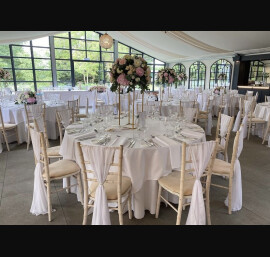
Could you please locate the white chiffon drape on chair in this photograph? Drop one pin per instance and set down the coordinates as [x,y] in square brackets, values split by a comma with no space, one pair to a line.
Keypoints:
[101,159]
[237,179]
[39,202]
[200,156]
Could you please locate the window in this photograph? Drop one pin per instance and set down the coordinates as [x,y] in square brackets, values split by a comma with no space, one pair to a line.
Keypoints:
[179,67]
[31,61]
[220,67]
[197,75]
[256,70]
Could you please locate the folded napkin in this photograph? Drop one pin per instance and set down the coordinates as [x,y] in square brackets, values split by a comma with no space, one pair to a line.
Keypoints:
[86,136]
[175,149]
[119,141]
[191,134]
[74,126]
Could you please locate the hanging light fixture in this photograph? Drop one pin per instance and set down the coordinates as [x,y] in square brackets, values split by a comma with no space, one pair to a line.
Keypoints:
[106,41]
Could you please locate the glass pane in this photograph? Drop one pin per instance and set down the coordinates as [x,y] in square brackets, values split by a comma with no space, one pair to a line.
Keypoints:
[62,34]
[158,62]
[64,77]
[21,51]
[133,51]
[107,66]
[122,48]
[94,56]
[92,35]
[5,63]
[44,41]
[41,52]
[78,34]
[63,65]
[9,84]
[42,85]
[158,67]
[62,54]
[78,44]
[107,57]
[43,75]
[78,55]
[61,43]
[24,75]
[22,63]
[23,86]
[121,55]
[42,64]
[25,43]
[148,59]
[92,45]
[4,50]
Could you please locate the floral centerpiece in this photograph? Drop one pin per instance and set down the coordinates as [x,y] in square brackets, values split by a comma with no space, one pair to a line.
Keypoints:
[98,88]
[4,75]
[217,90]
[167,76]
[130,71]
[265,75]
[28,97]
[222,77]
[182,76]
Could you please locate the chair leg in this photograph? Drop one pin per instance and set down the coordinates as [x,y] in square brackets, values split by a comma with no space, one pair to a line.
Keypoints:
[230,196]
[158,201]
[179,211]
[68,185]
[28,138]
[6,140]
[249,129]
[17,135]
[80,185]
[129,206]
[208,203]
[120,211]
[49,201]
[85,207]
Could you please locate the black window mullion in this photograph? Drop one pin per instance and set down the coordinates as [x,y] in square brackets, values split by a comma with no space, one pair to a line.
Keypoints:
[13,68]
[33,65]
[71,62]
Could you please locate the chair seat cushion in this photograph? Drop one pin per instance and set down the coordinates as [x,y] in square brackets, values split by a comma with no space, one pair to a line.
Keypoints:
[221,167]
[111,187]
[62,168]
[8,126]
[203,116]
[54,151]
[172,182]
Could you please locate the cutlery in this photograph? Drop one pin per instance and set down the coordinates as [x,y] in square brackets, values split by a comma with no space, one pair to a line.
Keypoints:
[130,143]
[133,143]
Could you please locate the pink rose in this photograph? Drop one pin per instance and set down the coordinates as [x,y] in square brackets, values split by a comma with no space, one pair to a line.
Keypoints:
[122,61]
[171,79]
[117,60]
[165,74]
[31,100]
[122,80]
[140,71]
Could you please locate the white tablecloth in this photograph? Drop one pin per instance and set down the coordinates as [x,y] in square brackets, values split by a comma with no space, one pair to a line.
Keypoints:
[144,165]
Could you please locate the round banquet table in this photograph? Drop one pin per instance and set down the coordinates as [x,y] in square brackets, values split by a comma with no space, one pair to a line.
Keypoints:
[15,114]
[144,164]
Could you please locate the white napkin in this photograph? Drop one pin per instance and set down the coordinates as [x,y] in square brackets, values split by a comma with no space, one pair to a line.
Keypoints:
[74,126]
[191,134]
[119,141]
[86,136]
[175,150]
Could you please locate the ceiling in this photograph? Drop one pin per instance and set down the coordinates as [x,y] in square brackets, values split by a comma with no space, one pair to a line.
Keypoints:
[174,46]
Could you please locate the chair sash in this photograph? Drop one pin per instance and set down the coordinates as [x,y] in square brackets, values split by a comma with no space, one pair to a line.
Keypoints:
[237,180]
[238,117]
[39,202]
[245,119]
[224,124]
[200,156]
[101,159]
[189,113]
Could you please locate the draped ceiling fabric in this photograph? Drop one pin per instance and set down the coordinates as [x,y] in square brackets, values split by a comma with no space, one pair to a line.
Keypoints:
[173,46]
[11,37]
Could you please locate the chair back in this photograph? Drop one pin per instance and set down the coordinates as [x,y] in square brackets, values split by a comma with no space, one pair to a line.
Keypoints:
[33,111]
[63,119]
[40,126]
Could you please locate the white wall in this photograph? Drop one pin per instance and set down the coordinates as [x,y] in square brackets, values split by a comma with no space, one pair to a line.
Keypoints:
[208,63]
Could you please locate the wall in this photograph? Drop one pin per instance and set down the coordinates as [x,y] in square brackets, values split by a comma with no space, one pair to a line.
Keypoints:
[208,62]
